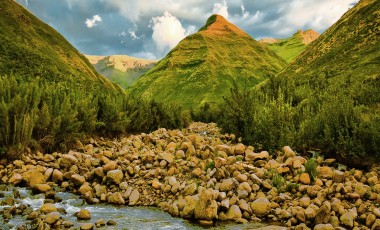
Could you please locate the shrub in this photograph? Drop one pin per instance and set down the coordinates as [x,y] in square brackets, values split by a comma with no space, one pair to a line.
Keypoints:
[311,168]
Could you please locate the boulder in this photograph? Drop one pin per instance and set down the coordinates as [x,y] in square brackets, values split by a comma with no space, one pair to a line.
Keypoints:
[206,207]
[111,165]
[41,188]
[323,227]
[169,157]
[156,184]
[134,197]
[239,149]
[338,176]
[52,217]
[116,198]
[288,152]
[15,179]
[84,214]
[190,189]
[323,214]
[87,226]
[261,207]
[48,208]
[325,172]
[227,185]
[57,176]
[77,179]
[115,176]
[234,213]
[33,177]
[188,210]
[347,219]
[305,178]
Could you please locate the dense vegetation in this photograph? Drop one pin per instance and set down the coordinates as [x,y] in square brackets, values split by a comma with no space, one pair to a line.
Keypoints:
[328,98]
[51,115]
[202,68]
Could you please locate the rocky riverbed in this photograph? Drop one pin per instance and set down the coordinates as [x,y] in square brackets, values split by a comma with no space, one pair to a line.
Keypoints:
[201,175]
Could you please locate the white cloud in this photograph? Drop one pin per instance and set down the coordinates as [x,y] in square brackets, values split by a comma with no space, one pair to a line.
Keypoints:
[93,21]
[221,9]
[244,13]
[168,31]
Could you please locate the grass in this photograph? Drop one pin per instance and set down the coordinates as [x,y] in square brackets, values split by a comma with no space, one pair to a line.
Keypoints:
[288,48]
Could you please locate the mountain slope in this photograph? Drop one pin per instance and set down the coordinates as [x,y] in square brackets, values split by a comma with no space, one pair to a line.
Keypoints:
[121,69]
[31,48]
[203,66]
[289,48]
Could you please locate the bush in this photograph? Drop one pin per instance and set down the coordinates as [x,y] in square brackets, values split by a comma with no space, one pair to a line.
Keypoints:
[311,168]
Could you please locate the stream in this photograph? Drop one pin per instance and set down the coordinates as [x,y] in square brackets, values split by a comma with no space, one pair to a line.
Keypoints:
[139,218]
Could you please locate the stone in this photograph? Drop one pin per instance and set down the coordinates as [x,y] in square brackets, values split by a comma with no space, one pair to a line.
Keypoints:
[111,222]
[116,198]
[371,218]
[234,213]
[48,173]
[347,219]
[77,179]
[188,210]
[305,178]
[239,149]
[84,189]
[360,189]
[376,225]
[325,172]
[304,202]
[310,212]
[57,176]
[190,189]
[34,177]
[111,165]
[115,176]
[41,188]
[323,227]
[323,214]
[376,211]
[100,223]
[134,197]
[206,222]
[251,156]
[169,157]
[338,176]
[227,185]
[84,214]
[15,179]
[87,226]
[206,207]
[288,152]
[261,207]
[48,208]
[52,217]
[156,184]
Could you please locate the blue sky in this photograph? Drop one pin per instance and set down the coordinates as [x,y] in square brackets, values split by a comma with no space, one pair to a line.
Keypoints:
[151,28]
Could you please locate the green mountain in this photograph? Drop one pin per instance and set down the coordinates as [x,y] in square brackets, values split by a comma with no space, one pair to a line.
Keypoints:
[121,69]
[289,48]
[31,48]
[203,66]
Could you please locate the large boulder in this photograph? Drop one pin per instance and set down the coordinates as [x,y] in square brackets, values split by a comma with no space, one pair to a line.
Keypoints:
[48,208]
[41,188]
[323,214]
[84,214]
[57,176]
[115,176]
[261,207]
[227,185]
[116,198]
[52,217]
[33,177]
[77,179]
[234,213]
[188,210]
[206,207]
[134,197]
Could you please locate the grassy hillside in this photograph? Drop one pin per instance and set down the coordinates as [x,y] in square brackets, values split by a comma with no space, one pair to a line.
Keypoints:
[202,67]
[31,48]
[50,95]
[289,48]
[121,69]
[328,98]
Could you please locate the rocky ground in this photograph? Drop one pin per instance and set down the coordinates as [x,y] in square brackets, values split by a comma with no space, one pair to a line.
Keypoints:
[202,175]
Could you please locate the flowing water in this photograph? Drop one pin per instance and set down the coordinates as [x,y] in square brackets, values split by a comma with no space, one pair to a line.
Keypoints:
[139,218]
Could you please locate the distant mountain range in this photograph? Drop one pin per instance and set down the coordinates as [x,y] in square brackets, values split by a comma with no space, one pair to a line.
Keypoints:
[203,67]
[289,48]
[121,69]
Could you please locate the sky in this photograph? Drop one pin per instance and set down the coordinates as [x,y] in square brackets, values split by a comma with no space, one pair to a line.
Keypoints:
[149,29]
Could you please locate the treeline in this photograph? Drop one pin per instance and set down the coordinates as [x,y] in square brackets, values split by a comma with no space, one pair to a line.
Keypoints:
[340,116]
[48,115]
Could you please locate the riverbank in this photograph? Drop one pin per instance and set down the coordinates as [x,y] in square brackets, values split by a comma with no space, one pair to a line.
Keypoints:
[202,175]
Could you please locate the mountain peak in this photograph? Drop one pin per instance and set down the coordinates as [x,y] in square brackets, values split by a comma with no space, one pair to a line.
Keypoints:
[217,24]
[307,36]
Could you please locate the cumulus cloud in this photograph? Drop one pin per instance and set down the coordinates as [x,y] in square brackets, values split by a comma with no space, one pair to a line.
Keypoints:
[244,13]
[93,21]
[221,9]
[168,31]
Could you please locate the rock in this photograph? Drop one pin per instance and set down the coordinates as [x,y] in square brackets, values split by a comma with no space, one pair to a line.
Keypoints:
[134,197]
[190,189]
[116,198]
[111,222]
[206,207]
[324,227]
[305,178]
[227,185]
[84,214]
[376,211]
[15,179]
[48,208]
[299,214]
[52,217]
[48,173]
[68,160]
[338,176]
[111,165]
[33,177]
[87,226]
[100,223]
[261,207]
[234,213]
[371,218]
[156,184]
[115,176]
[360,189]
[251,156]
[33,215]
[288,152]
[305,202]
[239,149]
[85,188]
[347,219]
[41,188]
[188,210]
[325,172]
[323,214]
[311,212]
[169,157]
[77,179]
[57,176]
[206,222]
[312,191]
